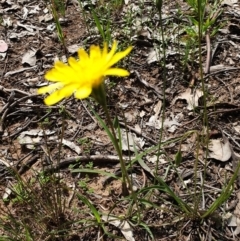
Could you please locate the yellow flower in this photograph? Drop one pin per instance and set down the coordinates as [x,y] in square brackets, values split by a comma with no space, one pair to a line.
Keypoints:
[81,76]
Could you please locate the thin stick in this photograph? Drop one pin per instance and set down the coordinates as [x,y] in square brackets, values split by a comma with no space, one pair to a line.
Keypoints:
[209,55]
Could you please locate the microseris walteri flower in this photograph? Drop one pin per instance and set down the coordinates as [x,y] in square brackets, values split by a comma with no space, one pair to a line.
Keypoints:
[84,76]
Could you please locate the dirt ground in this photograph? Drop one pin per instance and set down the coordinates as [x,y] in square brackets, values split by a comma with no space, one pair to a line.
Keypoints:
[30,131]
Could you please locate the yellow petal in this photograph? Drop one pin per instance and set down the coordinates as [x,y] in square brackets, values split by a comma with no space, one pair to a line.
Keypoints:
[83,76]
[65,75]
[59,65]
[112,52]
[82,54]
[53,98]
[118,56]
[68,90]
[116,72]
[95,52]
[49,88]
[83,92]
[73,63]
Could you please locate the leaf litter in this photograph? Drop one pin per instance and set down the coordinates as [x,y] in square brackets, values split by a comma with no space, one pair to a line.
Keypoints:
[140,96]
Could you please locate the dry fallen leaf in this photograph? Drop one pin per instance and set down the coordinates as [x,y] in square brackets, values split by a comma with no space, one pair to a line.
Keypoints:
[191,96]
[34,136]
[73,48]
[30,57]
[156,54]
[229,2]
[220,150]
[131,142]
[153,159]
[72,146]
[153,120]
[172,123]
[123,225]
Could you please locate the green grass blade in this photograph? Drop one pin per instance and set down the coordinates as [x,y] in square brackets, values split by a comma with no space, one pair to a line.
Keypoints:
[144,225]
[169,191]
[99,26]
[117,126]
[224,194]
[91,207]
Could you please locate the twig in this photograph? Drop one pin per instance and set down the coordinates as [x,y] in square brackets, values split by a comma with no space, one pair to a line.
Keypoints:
[9,101]
[220,71]
[42,118]
[4,68]
[23,127]
[5,163]
[28,164]
[77,159]
[144,82]
[208,60]
[224,111]
[229,136]
[71,195]
[144,178]
[95,121]
[227,85]
[10,105]
[13,90]
[19,70]
[76,133]
[5,111]
[22,99]
[20,160]
[138,133]
[188,122]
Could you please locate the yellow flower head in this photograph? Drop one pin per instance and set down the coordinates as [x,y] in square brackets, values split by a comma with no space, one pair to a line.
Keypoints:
[81,76]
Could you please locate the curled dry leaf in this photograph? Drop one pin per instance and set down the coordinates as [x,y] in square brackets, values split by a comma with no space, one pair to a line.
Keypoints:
[131,141]
[220,150]
[229,2]
[171,123]
[123,225]
[72,146]
[191,96]
[30,57]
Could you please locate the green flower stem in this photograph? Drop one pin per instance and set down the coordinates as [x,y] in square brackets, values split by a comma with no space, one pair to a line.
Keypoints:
[125,177]
[99,94]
